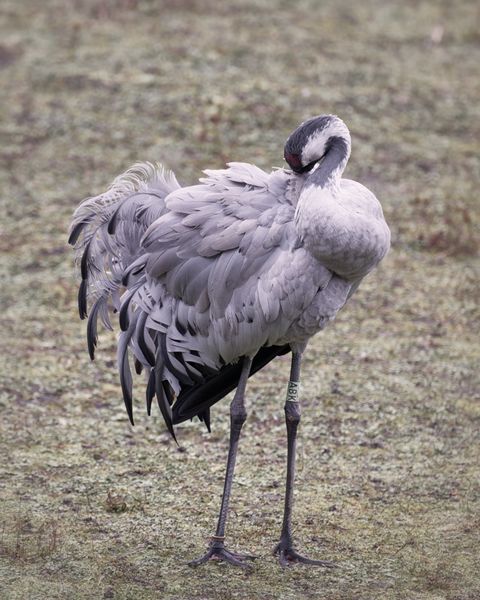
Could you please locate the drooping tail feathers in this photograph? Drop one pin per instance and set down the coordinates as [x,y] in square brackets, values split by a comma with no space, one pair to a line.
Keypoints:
[106,231]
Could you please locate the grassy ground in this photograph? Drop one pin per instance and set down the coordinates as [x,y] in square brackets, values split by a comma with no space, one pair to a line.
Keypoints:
[389,452]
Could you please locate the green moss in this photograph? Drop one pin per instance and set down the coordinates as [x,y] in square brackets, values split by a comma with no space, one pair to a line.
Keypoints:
[388,467]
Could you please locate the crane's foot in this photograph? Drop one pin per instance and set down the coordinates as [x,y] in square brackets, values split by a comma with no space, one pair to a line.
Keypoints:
[287,556]
[217,551]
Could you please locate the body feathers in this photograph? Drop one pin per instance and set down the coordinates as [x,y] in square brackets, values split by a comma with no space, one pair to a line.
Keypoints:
[244,263]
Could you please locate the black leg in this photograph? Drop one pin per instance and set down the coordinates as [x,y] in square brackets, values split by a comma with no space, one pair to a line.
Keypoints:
[238,415]
[284,549]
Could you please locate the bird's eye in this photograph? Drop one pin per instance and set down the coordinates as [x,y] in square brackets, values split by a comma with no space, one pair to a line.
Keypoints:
[293,160]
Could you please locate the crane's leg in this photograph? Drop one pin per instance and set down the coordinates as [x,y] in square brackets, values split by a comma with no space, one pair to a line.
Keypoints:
[287,554]
[238,415]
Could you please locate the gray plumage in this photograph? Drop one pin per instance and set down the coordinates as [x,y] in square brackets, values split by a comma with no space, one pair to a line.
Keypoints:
[242,260]
[214,280]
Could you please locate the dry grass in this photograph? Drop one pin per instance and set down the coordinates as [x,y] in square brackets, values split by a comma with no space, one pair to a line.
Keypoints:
[389,477]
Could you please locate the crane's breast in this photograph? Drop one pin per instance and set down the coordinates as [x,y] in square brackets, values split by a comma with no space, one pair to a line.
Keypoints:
[344,229]
[322,309]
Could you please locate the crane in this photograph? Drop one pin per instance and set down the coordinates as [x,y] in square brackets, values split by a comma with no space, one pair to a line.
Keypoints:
[213,281]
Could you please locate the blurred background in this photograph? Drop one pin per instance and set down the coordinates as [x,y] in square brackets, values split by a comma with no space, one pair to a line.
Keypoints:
[389,475]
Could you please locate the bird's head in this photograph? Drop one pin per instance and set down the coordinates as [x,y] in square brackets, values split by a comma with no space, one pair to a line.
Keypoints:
[310,143]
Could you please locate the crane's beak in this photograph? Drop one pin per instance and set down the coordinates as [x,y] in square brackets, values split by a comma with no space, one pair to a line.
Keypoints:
[295,163]
[305,169]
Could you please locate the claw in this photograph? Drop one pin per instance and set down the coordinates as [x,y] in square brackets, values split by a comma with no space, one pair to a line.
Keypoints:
[288,556]
[217,551]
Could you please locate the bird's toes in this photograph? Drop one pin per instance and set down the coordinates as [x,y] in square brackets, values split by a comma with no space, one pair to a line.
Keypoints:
[220,553]
[287,557]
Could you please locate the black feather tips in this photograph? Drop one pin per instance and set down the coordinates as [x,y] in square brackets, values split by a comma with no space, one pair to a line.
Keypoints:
[197,399]
[92,335]
[82,299]
[193,400]
[163,393]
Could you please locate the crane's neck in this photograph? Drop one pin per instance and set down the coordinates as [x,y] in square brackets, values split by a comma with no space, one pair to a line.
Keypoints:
[329,171]
[330,221]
